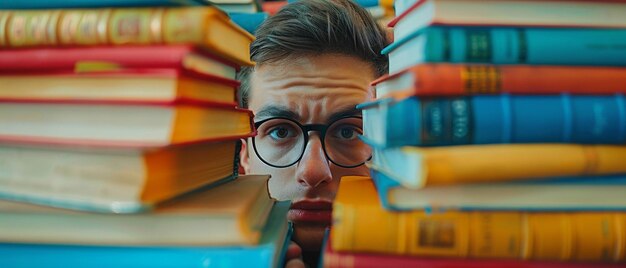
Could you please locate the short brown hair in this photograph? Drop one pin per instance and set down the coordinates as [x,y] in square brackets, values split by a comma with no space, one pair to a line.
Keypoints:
[310,27]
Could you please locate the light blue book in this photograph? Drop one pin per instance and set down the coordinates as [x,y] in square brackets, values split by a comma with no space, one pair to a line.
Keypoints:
[249,21]
[504,45]
[596,193]
[269,252]
[50,4]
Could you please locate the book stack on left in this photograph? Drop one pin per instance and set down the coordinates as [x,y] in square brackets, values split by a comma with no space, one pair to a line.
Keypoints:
[119,137]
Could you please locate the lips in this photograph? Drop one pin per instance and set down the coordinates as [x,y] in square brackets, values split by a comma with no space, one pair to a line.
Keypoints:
[311,212]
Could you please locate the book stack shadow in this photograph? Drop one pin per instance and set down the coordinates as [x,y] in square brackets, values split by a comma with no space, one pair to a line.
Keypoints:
[120,135]
[498,140]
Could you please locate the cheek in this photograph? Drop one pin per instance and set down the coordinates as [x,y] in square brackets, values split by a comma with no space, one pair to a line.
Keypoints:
[339,172]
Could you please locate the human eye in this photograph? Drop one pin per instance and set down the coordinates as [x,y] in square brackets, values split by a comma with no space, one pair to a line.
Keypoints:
[347,132]
[282,132]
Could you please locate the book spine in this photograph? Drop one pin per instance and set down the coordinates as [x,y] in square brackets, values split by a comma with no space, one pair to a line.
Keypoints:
[467,164]
[118,26]
[92,4]
[594,237]
[478,79]
[542,46]
[508,119]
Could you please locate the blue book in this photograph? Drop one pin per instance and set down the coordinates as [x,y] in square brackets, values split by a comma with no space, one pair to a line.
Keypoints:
[269,252]
[249,21]
[603,193]
[490,119]
[502,45]
[45,4]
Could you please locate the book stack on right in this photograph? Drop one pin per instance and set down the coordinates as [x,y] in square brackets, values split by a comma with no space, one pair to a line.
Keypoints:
[498,140]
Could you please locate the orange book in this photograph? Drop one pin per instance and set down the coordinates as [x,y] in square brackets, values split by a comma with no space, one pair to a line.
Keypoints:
[360,224]
[472,79]
[417,167]
[208,27]
[111,179]
[138,85]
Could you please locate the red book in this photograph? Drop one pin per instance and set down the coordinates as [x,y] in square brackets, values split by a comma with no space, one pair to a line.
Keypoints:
[334,259]
[273,7]
[123,57]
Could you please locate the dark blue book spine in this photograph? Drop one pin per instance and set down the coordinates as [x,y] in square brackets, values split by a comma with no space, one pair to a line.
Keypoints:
[507,119]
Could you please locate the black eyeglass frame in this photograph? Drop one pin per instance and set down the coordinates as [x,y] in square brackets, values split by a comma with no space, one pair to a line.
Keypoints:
[321,128]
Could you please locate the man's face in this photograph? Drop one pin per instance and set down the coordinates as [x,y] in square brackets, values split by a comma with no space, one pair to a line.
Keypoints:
[310,90]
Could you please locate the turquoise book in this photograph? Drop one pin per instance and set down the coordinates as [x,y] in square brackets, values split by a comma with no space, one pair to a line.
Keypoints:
[270,252]
[509,45]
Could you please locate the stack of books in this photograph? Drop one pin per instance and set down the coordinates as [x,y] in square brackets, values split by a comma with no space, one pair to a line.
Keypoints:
[499,140]
[119,139]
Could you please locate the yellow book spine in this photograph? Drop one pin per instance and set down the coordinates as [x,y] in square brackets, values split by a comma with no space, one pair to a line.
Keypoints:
[204,26]
[360,224]
[489,163]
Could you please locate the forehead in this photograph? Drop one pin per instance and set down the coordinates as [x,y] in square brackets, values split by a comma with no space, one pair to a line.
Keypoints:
[313,87]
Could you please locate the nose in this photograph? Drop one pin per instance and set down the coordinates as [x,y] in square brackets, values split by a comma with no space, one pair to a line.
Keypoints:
[313,169]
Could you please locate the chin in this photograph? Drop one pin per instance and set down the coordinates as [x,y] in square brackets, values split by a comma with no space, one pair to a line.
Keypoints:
[309,237]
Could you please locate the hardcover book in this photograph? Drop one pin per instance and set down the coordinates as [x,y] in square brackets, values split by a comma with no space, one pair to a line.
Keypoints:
[269,252]
[121,123]
[234,213]
[360,224]
[112,179]
[208,27]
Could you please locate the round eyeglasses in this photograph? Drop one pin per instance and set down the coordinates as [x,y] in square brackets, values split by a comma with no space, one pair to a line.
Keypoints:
[280,142]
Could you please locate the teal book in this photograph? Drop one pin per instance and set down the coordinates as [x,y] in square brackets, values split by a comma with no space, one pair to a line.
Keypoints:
[594,193]
[249,21]
[492,119]
[270,252]
[509,45]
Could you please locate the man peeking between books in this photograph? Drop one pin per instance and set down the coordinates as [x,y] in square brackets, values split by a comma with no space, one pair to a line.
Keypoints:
[314,62]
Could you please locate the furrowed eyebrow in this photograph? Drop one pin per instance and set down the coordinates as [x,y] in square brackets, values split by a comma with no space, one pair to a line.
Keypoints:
[276,111]
[343,112]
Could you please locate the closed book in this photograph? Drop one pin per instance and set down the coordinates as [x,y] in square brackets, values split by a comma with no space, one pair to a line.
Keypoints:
[441,79]
[594,193]
[41,4]
[506,45]
[129,85]
[529,13]
[345,259]
[112,179]
[489,119]
[360,224]
[418,167]
[234,213]
[269,252]
[121,123]
[207,27]
[107,58]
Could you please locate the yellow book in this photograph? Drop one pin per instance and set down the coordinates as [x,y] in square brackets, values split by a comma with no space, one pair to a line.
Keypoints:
[360,224]
[208,27]
[233,213]
[417,167]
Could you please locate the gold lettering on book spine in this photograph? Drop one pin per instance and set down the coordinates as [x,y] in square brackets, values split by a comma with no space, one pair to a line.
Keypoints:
[17,29]
[179,25]
[87,32]
[68,26]
[102,26]
[130,26]
[156,25]
[481,79]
